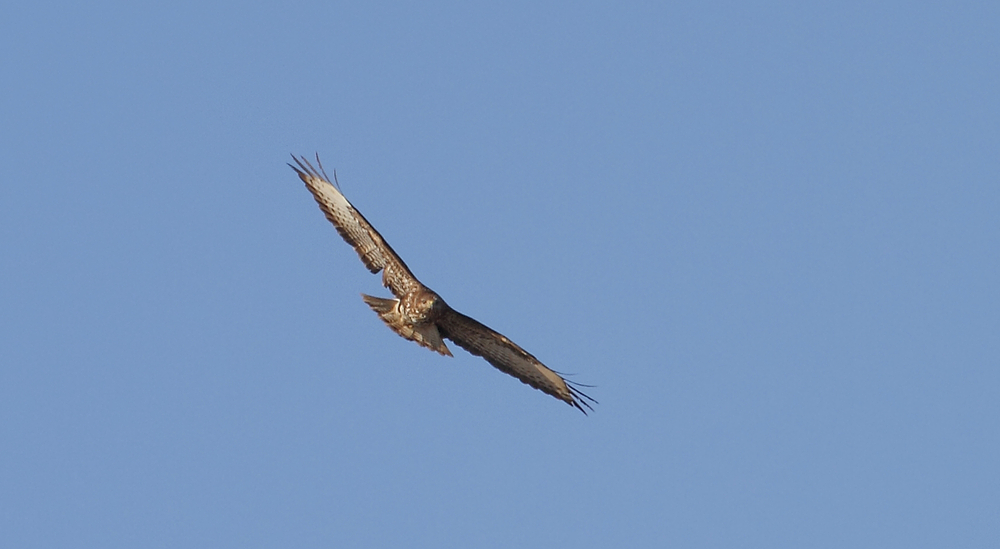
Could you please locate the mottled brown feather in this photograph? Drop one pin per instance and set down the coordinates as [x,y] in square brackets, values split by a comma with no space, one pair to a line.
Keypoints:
[508,357]
[373,250]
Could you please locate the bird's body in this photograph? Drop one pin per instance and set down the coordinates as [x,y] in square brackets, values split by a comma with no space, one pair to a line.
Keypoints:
[414,317]
[419,314]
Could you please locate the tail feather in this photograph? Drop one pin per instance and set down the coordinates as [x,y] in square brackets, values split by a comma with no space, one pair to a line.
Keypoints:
[380,305]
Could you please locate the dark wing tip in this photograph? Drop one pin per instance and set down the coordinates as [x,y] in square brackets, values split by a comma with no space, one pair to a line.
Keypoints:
[579,398]
[306,169]
[323,171]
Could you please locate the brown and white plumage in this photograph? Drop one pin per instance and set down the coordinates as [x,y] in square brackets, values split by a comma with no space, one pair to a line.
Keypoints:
[419,314]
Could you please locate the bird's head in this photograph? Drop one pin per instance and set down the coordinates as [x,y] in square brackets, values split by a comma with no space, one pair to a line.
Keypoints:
[431,304]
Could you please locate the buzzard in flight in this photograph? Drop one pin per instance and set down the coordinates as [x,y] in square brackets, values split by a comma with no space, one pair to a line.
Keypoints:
[419,314]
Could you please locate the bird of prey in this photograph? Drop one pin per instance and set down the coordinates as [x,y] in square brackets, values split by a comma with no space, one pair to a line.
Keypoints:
[419,314]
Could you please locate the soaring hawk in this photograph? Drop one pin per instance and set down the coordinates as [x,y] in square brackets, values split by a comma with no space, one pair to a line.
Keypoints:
[419,314]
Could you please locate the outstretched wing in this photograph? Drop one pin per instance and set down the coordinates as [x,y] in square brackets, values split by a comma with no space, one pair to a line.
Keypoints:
[374,251]
[509,358]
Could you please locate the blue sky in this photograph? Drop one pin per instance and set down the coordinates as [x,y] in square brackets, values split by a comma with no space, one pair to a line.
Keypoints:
[767,233]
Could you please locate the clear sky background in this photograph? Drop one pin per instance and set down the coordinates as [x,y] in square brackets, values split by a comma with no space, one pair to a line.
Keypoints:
[768,234]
